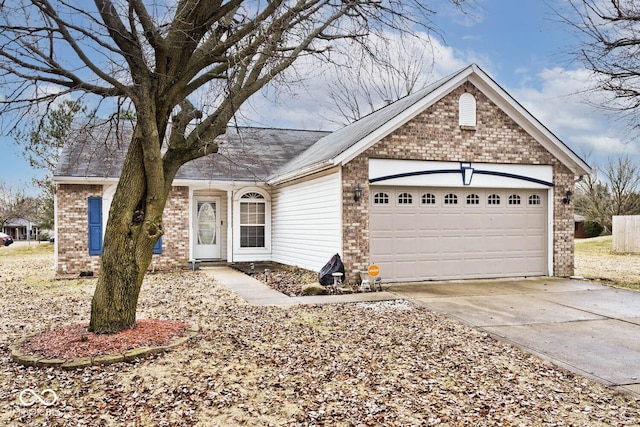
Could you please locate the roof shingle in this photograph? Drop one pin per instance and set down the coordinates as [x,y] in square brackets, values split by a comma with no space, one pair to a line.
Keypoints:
[244,153]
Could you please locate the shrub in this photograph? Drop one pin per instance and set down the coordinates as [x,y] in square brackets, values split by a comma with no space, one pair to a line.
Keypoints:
[592,229]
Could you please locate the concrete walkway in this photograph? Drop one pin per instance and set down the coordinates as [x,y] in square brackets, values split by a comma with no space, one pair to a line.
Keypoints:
[588,328]
[257,293]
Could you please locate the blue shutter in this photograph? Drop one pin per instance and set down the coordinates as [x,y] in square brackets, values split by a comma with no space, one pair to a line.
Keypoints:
[95,225]
[157,249]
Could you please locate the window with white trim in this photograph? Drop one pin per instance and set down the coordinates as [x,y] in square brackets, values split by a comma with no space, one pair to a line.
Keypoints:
[252,220]
[514,199]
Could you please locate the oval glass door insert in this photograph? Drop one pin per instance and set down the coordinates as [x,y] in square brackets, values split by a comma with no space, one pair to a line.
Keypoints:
[206,223]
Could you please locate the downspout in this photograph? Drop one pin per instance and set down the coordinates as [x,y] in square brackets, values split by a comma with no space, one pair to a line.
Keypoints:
[55,230]
[230,226]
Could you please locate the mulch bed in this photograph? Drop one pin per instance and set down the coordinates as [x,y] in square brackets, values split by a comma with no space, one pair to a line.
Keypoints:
[75,341]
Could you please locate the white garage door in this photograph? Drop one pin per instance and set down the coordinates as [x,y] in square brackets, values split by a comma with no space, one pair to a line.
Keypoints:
[450,233]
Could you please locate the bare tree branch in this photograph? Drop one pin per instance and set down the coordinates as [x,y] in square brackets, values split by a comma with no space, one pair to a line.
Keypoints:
[610,47]
[160,56]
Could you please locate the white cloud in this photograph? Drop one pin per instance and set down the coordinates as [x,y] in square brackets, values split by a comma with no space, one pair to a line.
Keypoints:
[558,97]
[562,100]
[306,103]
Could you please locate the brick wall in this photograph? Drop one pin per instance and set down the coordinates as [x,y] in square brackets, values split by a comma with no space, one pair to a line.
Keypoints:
[72,234]
[72,237]
[435,135]
[175,242]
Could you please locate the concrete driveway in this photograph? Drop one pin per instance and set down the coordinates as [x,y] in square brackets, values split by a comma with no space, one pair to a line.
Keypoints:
[585,327]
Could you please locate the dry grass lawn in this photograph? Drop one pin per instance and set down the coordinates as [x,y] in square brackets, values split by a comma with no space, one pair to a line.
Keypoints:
[594,259]
[383,364]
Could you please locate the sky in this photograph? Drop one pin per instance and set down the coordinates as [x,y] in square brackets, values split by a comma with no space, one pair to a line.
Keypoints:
[520,44]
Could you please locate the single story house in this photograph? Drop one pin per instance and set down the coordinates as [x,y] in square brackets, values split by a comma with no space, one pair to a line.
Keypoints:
[455,181]
[21,229]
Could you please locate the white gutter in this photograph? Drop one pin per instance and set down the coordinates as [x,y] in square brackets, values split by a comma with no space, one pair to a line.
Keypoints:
[83,180]
[299,173]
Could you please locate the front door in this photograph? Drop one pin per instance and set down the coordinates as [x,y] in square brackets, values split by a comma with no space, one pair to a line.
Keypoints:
[206,228]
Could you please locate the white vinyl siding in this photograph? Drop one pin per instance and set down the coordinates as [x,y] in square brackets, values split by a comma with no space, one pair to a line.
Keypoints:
[307,226]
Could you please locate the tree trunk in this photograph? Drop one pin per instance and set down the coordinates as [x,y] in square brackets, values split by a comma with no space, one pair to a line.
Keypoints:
[133,228]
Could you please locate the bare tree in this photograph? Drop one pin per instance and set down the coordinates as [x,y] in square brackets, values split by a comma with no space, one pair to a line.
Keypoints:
[365,83]
[154,58]
[599,200]
[593,200]
[14,204]
[610,46]
[623,177]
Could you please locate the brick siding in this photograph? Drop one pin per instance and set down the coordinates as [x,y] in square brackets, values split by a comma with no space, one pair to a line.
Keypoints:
[435,135]
[72,236]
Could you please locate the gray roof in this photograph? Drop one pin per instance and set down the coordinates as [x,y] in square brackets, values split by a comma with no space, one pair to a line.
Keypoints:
[18,222]
[271,155]
[244,153]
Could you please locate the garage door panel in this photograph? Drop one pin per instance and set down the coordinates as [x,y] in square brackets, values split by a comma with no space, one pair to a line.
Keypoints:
[405,270]
[380,221]
[428,245]
[447,246]
[439,241]
[474,244]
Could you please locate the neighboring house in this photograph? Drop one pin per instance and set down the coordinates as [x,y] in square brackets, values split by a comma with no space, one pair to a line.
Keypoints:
[455,181]
[579,232]
[21,229]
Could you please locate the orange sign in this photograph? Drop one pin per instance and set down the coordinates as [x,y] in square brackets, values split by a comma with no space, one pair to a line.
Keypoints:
[374,270]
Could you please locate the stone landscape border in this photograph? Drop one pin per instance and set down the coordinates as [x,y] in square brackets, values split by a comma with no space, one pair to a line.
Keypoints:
[100,360]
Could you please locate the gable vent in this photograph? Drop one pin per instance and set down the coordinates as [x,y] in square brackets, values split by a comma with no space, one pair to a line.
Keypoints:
[467,110]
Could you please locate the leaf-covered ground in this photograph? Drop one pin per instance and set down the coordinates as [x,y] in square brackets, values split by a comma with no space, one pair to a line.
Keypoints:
[390,364]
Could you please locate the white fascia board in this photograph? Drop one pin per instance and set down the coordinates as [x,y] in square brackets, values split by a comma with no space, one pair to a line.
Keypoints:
[191,183]
[497,95]
[402,118]
[84,180]
[198,184]
[529,123]
[309,170]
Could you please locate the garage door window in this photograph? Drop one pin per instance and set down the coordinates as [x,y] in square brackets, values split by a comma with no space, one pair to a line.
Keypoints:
[534,199]
[405,199]
[493,199]
[381,199]
[429,199]
[473,199]
[514,199]
[450,199]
